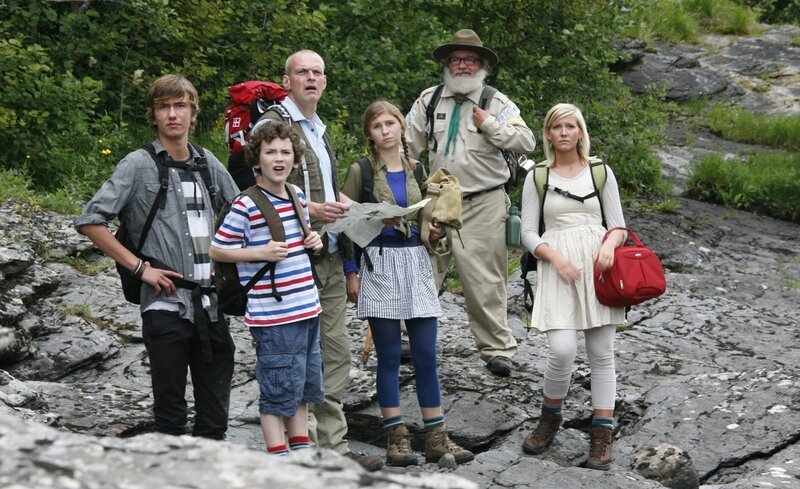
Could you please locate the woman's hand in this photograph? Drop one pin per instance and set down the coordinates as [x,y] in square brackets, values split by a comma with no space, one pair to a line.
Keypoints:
[313,242]
[605,256]
[567,270]
[353,284]
[436,230]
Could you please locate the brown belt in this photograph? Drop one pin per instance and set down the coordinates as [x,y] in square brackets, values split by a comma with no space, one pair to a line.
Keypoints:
[472,195]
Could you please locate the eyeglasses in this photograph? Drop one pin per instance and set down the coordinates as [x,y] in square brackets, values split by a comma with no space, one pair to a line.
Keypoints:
[469,61]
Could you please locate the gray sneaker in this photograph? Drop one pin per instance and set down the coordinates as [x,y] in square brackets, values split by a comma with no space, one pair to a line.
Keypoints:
[500,366]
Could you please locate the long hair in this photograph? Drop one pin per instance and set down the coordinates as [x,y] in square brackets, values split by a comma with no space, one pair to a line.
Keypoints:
[380,107]
[170,87]
[556,113]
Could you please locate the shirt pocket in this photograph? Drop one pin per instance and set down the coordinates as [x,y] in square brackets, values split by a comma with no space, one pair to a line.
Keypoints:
[148,199]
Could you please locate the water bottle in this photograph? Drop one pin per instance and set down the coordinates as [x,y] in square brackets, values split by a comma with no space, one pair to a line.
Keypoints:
[513,227]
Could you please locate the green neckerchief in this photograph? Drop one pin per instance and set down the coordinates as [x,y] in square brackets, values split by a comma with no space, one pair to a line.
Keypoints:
[454,120]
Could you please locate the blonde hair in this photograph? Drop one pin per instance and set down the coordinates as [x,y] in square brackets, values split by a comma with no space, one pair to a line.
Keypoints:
[375,109]
[170,87]
[556,113]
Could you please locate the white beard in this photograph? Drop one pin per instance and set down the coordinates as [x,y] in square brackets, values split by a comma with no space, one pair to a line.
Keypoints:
[462,85]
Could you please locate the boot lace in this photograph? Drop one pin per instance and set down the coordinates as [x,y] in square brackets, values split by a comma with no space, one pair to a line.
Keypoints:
[599,444]
[545,430]
[402,442]
[443,439]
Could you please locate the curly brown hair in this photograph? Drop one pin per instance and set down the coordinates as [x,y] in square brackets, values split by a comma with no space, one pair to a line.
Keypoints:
[268,132]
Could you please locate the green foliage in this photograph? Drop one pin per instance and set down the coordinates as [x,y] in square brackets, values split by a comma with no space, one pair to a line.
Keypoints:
[778,131]
[665,206]
[78,106]
[767,183]
[777,11]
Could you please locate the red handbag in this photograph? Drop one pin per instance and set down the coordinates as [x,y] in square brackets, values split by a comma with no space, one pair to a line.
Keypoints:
[635,276]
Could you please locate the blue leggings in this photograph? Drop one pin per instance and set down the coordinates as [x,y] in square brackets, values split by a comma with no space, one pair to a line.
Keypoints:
[422,339]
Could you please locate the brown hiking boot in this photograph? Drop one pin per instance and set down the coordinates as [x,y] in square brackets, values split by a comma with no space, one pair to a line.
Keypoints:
[600,441]
[538,439]
[438,444]
[398,447]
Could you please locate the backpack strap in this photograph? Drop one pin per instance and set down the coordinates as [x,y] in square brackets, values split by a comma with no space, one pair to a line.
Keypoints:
[275,225]
[298,209]
[430,109]
[205,172]
[367,181]
[541,177]
[599,177]
[160,202]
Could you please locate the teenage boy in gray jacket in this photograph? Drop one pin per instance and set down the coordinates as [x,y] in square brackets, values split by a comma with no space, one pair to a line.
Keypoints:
[181,327]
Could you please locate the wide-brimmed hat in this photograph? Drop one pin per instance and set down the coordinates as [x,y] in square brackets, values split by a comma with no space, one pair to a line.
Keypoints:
[465,39]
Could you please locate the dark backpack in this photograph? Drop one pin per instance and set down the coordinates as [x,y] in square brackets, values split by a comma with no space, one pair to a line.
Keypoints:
[250,100]
[132,286]
[367,196]
[541,178]
[516,172]
[231,294]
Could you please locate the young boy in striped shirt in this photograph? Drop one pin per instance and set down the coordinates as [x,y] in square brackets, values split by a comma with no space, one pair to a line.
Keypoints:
[286,328]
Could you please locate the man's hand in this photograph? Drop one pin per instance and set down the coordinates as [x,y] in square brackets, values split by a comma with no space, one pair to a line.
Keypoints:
[326,212]
[160,279]
[479,116]
[391,222]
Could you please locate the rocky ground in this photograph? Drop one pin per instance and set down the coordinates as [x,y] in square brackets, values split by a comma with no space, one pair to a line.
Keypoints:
[708,374]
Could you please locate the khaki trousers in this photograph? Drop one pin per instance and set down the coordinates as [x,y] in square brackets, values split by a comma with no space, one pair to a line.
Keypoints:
[327,425]
[482,265]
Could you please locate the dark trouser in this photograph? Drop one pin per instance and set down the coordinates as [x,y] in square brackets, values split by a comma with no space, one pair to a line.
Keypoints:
[173,347]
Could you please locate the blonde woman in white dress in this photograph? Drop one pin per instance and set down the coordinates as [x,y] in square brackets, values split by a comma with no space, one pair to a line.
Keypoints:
[565,304]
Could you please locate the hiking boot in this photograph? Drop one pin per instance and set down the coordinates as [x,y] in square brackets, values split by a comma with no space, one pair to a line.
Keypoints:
[398,447]
[500,366]
[438,444]
[370,463]
[600,441]
[538,439]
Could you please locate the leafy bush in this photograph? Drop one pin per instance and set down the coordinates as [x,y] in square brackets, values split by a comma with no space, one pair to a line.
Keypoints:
[767,183]
[779,131]
[372,48]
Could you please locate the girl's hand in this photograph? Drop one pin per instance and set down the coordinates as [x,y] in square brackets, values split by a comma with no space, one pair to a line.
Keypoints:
[391,222]
[353,284]
[436,230]
[313,242]
[274,251]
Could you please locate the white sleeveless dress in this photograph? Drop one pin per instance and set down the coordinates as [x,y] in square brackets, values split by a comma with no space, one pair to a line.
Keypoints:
[575,230]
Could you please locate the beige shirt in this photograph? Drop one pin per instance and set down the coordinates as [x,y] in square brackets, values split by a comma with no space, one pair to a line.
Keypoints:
[475,160]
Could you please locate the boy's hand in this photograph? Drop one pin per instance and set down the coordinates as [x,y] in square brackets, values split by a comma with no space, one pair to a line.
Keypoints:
[313,241]
[274,251]
[159,279]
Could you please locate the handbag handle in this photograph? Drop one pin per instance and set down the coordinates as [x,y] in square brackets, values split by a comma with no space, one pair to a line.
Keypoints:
[631,236]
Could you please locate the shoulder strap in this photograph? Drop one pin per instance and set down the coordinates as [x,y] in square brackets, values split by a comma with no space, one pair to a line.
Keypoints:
[418,175]
[541,177]
[276,231]
[205,172]
[486,96]
[599,176]
[298,209]
[431,108]
[367,181]
[160,202]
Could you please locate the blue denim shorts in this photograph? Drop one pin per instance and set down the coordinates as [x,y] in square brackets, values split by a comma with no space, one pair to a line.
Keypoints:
[289,366]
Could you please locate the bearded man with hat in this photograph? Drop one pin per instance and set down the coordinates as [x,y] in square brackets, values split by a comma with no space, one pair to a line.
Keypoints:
[466,139]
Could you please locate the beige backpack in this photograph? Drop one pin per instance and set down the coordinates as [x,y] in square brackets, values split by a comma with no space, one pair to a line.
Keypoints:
[445,208]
